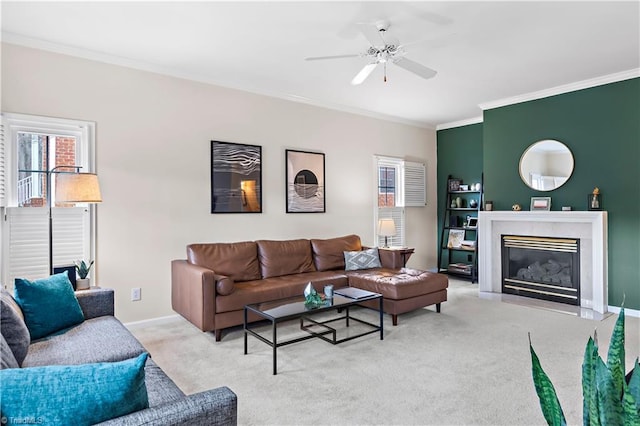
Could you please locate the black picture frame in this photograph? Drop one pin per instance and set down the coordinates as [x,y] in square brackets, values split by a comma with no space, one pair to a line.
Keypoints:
[305,182]
[236,178]
[454,184]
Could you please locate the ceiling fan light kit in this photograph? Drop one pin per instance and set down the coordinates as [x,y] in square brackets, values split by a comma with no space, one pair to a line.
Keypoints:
[384,48]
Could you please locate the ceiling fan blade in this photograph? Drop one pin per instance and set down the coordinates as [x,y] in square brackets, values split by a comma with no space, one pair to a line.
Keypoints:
[372,34]
[364,73]
[317,58]
[415,67]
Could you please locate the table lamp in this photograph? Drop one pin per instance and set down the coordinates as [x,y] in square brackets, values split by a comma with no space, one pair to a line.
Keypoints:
[386,228]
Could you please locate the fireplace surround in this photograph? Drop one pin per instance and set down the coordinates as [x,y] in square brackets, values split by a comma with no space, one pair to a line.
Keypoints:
[588,226]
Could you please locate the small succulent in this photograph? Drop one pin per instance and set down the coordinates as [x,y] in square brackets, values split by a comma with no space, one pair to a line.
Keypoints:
[83,269]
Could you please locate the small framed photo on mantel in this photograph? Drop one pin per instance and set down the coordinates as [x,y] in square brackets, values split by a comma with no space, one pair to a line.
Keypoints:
[540,203]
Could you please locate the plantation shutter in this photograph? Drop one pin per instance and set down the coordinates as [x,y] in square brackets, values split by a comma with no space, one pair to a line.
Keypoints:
[26,240]
[414,178]
[397,214]
[3,168]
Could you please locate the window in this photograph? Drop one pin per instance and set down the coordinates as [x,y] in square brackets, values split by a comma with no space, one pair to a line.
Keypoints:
[400,184]
[389,199]
[386,186]
[32,146]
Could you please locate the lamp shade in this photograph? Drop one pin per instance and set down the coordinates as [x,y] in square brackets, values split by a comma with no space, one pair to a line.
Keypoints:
[78,188]
[386,227]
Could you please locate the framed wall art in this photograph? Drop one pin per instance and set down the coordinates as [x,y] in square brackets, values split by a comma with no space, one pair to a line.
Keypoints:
[305,182]
[236,178]
[540,203]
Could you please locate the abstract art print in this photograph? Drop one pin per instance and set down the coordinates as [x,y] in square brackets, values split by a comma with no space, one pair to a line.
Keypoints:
[236,178]
[305,182]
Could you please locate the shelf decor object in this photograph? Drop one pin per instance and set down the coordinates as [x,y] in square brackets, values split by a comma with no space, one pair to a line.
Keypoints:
[594,200]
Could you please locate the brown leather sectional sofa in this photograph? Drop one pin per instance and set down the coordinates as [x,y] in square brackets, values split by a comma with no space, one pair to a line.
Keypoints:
[211,287]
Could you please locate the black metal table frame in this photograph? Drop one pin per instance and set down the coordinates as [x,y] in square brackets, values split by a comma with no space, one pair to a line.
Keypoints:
[312,334]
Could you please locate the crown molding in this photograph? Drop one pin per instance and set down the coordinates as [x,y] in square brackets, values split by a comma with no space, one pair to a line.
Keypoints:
[460,123]
[566,88]
[33,43]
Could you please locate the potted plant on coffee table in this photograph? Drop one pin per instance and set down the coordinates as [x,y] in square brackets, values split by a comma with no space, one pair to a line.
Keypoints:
[82,283]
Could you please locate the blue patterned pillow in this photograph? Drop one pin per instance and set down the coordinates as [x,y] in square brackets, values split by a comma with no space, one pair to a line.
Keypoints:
[74,394]
[365,259]
[48,304]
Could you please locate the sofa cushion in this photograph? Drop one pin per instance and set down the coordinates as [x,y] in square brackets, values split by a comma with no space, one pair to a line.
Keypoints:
[74,394]
[278,288]
[102,339]
[13,328]
[288,257]
[364,259]
[329,254]
[7,360]
[48,304]
[236,260]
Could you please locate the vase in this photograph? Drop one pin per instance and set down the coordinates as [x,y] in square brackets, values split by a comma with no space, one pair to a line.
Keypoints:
[458,202]
[82,284]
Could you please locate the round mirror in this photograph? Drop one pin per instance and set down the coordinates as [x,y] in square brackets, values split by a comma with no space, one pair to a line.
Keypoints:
[546,165]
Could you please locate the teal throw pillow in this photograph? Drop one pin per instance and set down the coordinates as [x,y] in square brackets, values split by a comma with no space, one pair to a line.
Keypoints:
[48,304]
[364,259]
[75,394]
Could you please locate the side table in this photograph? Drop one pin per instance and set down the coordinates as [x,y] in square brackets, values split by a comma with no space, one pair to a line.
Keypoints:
[399,256]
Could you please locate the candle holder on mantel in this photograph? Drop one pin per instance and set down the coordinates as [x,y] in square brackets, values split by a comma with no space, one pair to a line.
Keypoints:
[594,200]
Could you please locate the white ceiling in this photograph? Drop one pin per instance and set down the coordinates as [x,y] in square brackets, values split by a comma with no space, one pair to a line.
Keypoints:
[483,51]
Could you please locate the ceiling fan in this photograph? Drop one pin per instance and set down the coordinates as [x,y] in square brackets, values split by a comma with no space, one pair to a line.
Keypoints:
[384,49]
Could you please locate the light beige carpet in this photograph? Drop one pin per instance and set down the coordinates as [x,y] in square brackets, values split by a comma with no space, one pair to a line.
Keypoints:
[469,364]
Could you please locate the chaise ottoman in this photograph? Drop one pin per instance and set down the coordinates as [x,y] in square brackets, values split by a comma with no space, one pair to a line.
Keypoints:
[403,290]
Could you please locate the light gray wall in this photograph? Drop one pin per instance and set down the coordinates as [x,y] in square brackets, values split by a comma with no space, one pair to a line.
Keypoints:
[153,160]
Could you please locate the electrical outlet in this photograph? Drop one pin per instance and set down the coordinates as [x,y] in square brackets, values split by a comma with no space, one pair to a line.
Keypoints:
[136,294]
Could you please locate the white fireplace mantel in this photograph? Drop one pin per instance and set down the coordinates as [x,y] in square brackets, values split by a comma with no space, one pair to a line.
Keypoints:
[589,226]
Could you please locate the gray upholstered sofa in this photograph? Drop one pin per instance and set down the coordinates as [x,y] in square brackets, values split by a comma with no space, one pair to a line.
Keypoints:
[102,338]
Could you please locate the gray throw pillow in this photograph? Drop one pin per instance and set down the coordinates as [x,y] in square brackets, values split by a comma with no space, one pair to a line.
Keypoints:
[13,328]
[364,259]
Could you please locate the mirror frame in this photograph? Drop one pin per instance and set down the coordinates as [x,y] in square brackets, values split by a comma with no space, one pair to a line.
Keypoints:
[530,148]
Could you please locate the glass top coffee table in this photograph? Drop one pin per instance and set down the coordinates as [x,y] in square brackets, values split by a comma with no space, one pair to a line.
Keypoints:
[281,310]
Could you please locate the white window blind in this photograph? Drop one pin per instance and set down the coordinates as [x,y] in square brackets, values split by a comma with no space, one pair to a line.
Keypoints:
[27,240]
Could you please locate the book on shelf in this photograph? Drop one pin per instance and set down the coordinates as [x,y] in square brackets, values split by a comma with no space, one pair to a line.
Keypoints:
[468,244]
[464,268]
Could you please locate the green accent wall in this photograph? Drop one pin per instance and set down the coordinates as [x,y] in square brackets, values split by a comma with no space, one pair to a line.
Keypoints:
[601,126]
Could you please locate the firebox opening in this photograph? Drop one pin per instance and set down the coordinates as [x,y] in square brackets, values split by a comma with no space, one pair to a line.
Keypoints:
[541,267]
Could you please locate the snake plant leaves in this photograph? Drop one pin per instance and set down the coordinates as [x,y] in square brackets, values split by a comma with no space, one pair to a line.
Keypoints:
[590,414]
[609,405]
[634,385]
[615,357]
[629,407]
[549,402]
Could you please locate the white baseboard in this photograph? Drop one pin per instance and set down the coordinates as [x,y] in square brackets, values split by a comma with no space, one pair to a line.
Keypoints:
[152,321]
[627,312]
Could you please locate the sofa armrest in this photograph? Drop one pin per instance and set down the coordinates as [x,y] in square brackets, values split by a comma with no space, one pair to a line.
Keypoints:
[193,292]
[213,407]
[96,302]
